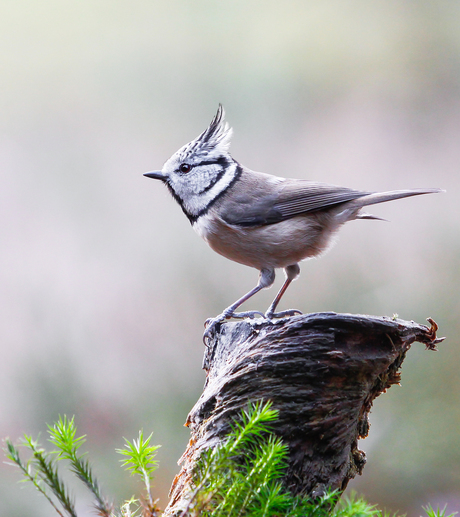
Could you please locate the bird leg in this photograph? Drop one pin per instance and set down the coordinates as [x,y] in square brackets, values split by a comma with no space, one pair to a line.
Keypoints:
[292,272]
[266,279]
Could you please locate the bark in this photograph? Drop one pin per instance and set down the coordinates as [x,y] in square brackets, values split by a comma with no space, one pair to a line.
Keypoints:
[321,371]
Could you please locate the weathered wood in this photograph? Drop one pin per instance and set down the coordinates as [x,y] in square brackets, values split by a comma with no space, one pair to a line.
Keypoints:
[321,371]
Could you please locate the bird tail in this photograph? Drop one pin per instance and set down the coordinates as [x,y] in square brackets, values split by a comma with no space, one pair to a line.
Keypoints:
[381,197]
[353,208]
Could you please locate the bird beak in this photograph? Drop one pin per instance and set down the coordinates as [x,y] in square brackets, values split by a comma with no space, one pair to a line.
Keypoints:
[157,175]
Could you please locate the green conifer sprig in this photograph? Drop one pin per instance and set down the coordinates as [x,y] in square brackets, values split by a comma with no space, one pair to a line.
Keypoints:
[63,436]
[431,512]
[41,470]
[141,461]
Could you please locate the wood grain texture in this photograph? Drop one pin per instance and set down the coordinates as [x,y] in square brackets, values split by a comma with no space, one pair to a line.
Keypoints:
[321,371]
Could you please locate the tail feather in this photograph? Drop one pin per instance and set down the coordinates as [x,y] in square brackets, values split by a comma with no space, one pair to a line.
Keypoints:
[364,215]
[352,209]
[381,197]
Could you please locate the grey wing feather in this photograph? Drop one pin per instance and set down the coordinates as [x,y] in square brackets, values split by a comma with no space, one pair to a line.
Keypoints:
[311,196]
[260,207]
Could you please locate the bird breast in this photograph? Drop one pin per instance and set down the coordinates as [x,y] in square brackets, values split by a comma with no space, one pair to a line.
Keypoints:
[270,246]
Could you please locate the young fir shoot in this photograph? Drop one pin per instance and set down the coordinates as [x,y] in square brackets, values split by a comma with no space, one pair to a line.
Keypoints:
[141,461]
[356,506]
[41,471]
[63,436]
[431,512]
[125,508]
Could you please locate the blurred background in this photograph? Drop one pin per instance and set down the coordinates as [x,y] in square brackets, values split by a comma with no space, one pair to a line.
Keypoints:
[104,287]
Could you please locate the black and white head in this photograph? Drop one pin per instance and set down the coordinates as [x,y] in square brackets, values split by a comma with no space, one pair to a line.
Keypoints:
[202,170]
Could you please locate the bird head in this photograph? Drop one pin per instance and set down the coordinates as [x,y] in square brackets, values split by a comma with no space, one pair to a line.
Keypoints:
[199,171]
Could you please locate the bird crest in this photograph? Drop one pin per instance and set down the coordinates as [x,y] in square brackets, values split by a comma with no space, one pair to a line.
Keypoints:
[214,141]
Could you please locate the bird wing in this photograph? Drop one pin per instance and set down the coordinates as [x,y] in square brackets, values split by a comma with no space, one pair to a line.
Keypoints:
[299,197]
[259,203]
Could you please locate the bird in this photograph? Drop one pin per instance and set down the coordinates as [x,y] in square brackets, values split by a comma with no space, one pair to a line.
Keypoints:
[257,219]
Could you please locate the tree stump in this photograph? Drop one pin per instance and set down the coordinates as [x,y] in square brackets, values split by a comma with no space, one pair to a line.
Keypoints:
[321,371]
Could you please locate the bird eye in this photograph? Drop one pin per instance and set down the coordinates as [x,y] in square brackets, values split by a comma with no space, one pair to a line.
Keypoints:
[185,167]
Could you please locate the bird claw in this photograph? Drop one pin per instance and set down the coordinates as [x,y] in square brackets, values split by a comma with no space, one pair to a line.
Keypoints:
[283,314]
[208,333]
[248,314]
[210,325]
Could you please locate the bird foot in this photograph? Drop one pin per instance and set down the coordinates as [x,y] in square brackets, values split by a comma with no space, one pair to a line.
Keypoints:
[247,314]
[212,323]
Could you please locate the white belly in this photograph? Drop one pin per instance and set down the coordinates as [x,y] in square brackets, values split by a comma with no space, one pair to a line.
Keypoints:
[271,246]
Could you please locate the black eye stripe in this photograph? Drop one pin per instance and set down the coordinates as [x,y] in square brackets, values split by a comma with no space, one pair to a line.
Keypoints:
[220,161]
[186,167]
